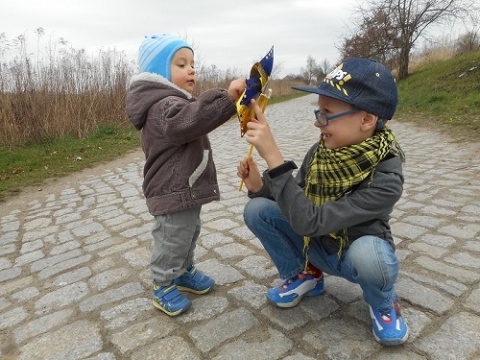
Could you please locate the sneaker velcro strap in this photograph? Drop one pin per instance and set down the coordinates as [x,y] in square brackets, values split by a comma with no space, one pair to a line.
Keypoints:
[171,293]
[196,275]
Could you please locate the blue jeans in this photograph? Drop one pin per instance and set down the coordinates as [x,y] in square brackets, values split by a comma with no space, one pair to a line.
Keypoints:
[369,261]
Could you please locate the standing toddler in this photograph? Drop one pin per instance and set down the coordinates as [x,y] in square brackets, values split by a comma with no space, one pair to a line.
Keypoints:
[179,172]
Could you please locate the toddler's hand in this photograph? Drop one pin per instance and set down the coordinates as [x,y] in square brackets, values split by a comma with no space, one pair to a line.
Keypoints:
[236,88]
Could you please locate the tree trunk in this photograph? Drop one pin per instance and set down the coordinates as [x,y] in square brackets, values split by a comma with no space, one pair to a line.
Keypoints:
[403,62]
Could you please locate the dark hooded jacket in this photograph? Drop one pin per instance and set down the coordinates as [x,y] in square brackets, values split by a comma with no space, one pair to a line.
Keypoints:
[179,171]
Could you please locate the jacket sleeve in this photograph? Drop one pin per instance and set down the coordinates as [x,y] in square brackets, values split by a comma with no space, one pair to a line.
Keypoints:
[184,120]
[299,178]
[372,199]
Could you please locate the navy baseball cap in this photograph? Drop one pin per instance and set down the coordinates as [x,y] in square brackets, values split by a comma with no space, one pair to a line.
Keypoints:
[363,83]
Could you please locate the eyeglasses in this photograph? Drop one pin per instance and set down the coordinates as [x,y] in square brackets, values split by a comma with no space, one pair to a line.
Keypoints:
[323,119]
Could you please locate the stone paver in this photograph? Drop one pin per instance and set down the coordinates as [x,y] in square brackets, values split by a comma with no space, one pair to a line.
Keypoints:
[75,282]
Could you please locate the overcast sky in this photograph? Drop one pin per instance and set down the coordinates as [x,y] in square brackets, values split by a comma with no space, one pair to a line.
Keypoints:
[228,34]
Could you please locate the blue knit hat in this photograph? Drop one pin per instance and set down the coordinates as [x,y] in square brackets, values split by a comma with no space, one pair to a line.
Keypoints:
[363,83]
[156,53]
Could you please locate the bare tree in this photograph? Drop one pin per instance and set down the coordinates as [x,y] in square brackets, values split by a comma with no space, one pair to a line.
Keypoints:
[324,68]
[311,71]
[470,41]
[409,20]
[277,70]
[375,39]
[467,43]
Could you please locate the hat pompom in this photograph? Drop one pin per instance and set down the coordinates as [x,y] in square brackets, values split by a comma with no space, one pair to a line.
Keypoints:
[156,53]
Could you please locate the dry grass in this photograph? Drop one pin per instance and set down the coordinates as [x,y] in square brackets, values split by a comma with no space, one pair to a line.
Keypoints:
[430,57]
[66,94]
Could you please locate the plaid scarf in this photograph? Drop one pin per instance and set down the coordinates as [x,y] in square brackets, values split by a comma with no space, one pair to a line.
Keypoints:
[332,173]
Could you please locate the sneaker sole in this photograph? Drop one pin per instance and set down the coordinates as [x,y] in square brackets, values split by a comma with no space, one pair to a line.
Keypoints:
[193,291]
[395,342]
[285,305]
[169,313]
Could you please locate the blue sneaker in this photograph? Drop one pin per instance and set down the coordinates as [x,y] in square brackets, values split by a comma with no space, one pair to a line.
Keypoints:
[388,326]
[293,290]
[170,300]
[194,281]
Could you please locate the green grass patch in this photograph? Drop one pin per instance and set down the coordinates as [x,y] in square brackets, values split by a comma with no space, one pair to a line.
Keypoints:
[445,93]
[31,165]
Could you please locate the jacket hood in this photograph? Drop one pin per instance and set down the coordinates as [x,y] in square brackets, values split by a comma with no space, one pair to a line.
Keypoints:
[144,91]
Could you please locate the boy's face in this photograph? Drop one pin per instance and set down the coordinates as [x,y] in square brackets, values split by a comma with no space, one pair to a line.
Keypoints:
[182,70]
[350,129]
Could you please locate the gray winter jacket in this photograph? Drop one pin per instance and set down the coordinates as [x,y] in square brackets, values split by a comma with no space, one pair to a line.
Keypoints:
[179,171]
[364,210]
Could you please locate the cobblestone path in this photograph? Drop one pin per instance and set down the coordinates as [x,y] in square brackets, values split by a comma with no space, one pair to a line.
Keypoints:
[75,283]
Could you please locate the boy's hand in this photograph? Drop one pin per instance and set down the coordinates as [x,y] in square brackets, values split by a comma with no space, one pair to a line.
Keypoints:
[260,136]
[236,88]
[248,171]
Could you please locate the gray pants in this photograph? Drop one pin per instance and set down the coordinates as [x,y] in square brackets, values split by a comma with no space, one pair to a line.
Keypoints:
[175,237]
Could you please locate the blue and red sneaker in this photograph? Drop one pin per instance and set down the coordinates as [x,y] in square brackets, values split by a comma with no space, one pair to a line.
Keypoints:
[388,326]
[293,290]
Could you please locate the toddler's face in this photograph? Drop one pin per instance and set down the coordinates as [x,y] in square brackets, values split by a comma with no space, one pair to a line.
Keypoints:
[342,131]
[182,69]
